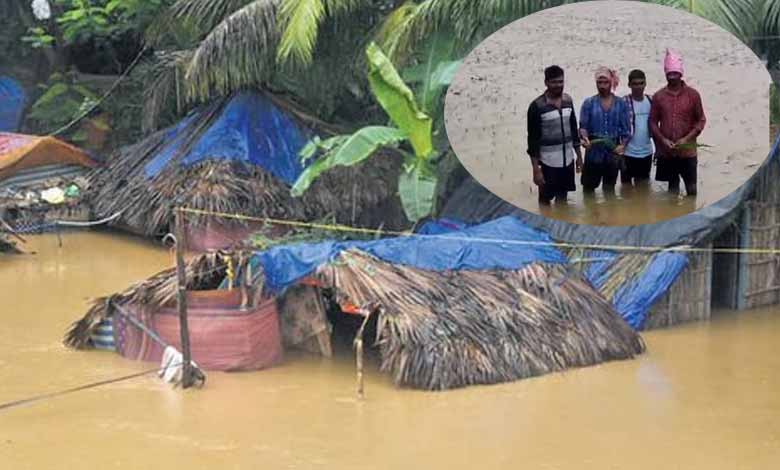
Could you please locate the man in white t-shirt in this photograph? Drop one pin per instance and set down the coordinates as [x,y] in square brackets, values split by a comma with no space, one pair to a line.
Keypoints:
[640,149]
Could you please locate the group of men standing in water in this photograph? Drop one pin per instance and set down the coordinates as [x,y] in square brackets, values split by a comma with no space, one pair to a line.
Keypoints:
[622,136]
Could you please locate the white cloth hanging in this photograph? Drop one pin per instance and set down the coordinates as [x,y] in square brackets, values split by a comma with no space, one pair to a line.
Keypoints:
[41,9]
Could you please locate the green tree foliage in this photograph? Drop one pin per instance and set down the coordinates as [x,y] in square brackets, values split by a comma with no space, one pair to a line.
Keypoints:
[417,183]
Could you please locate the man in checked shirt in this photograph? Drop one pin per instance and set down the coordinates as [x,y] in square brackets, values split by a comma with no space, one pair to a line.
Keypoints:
[676,119]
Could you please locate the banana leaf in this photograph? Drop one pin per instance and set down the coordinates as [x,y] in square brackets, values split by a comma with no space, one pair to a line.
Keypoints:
[398,101]
[435,71]
[347,151]
[417,188]
[317,145]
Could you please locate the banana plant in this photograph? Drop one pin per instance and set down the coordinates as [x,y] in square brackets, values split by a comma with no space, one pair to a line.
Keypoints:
[417,182]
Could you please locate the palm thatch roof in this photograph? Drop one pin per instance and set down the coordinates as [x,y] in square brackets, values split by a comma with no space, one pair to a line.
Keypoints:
[439,331]
[443,330]
[364,195]
[205,271]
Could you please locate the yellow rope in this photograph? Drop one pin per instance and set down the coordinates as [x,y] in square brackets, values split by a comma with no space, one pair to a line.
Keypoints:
[346,228]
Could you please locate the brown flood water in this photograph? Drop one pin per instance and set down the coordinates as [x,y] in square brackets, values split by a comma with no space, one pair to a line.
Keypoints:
[705,396]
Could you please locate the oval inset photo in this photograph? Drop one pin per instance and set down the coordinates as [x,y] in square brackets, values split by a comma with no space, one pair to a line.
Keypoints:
[610,113]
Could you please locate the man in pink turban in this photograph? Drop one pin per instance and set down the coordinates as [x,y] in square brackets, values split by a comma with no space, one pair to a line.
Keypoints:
[607,73]
[676,120]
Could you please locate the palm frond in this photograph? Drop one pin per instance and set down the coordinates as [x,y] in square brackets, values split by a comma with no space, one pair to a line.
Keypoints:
[165,75]
[206,13]
[740,17]
[334,84]
[239,52]
[394,35]
[300,21]
[468,19]
[771,15]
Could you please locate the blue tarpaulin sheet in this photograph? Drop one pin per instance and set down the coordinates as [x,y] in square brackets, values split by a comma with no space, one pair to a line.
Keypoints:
[505,243]
[249,129]
[12,99]
[635,298]
[435,227]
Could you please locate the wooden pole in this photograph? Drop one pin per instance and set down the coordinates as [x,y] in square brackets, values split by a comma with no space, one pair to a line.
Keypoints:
[743,276]
[181,297]
[359,357]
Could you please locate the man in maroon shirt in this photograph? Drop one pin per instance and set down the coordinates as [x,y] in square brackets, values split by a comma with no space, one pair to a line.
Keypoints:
[676,119]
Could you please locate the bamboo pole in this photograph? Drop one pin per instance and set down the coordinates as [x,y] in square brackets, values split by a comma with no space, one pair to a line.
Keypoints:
[181,297]
[359,357]
[744,271]
[59,235]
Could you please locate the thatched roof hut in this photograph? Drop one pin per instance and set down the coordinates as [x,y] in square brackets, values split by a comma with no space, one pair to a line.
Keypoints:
[437,328]
[240,156]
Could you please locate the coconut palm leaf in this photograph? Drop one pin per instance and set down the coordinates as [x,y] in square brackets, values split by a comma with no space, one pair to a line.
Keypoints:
[468,19]
[206,13]
[394,35]
[163,75]
[237,53]
[740,17]
[300,21]
[771,15]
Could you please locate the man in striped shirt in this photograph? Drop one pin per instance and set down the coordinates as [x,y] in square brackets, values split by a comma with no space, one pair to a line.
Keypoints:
[553,139]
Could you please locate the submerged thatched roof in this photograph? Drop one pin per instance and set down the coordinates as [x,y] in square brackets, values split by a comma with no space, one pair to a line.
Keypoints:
[204,271]
[441,330]
[364,195]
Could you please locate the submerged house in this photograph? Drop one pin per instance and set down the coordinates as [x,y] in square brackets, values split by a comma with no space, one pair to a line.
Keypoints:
[479,305]
[36,173]
[238,155]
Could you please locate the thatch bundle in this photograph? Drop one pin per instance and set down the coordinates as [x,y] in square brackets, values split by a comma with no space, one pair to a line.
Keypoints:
[441,330]
[624,269]
[363,195]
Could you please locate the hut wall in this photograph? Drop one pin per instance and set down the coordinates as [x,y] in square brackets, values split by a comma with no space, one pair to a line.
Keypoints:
[725,269]
[759,273]
[689,299]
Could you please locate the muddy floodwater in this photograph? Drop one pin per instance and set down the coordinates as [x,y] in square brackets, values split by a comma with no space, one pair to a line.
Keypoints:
[705,396]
